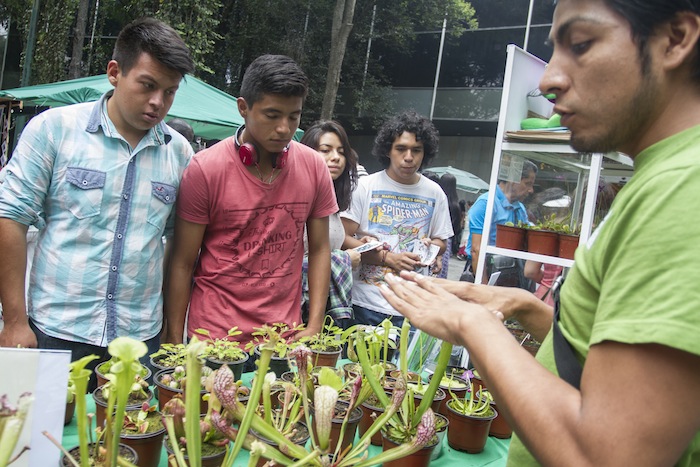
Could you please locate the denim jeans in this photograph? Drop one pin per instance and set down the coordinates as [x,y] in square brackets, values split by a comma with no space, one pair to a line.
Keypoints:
[80,350]
[373,318]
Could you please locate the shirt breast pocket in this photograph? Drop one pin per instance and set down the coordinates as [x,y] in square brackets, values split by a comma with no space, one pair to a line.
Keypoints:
[161,204]
[84,191]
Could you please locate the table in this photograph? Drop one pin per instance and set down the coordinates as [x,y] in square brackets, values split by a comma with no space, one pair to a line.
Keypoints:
[493,455]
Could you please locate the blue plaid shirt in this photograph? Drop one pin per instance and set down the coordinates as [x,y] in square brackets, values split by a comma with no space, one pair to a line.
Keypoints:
[102,209]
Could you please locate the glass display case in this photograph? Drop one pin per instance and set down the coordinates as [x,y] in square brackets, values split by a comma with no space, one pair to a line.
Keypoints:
[578,176]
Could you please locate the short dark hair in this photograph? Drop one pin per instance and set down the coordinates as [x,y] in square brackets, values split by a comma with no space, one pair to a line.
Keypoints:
[644,17]
[157,39]
[182,127]
[412,122]
[273,74]
[345,184]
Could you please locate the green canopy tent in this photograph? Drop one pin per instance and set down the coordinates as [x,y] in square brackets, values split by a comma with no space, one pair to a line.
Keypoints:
[466,181]
[211,112]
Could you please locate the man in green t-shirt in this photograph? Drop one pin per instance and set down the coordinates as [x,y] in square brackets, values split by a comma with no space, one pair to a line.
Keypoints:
[626,76]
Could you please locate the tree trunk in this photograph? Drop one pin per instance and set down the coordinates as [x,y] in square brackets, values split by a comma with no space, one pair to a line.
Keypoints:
[74,69]
[342,25]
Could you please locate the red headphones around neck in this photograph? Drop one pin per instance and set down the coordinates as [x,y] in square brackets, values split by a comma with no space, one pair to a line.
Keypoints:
[249,154]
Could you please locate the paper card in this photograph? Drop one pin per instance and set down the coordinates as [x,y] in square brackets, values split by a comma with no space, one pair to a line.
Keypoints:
[44,373]
[368,246]
[427,254]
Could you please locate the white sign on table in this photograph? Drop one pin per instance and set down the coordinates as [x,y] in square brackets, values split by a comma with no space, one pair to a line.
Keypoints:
[44,374]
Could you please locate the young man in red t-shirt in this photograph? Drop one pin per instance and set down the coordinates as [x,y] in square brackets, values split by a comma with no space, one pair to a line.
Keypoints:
[242,208]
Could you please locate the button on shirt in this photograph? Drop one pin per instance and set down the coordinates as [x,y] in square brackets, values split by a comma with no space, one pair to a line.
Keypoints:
[102,209]
[503,211]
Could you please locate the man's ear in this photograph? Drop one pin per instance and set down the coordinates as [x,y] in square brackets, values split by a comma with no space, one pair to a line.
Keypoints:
[680,36]
[242,107]
[113,72]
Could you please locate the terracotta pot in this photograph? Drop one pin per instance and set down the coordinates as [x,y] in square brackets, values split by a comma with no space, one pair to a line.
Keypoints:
[325,357]
[368,409]
[236,366]
[567,245]
[459,391]
[101,405]
[102,380]
[336,424]
[148,446]
[500,428]
[512,238]
[277,364]
[543,242]
[209,460]
[70,411]
[438,399]
[468,433]
[165,393]
[124,451]
[421,458]
[300,438]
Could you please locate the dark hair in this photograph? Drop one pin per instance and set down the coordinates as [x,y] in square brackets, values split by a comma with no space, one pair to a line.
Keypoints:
[643,18]
[448,183]
[273,74]
[182,127]
[432,176]
[411,122]
[345,184]
[157,39]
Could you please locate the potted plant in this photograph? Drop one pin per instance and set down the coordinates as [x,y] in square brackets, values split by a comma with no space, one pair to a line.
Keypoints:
[104,368]
[406,426]
[452,385]
[173,382]
[280,333]
[500,428]
[139,393]
[470,419]
[193,439]
[143,430]
[542,241]
[168,356]
[319,452]
[325,346]
[105,450]
[510,236]
[226,350]
[379,342]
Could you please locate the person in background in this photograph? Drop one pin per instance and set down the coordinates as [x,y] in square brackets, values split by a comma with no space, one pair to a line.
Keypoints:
[399,207]
[100,181]
[507,207]
[625,78]
[361,171]
[331,141]
[448,183]
[244,203]
[185,129]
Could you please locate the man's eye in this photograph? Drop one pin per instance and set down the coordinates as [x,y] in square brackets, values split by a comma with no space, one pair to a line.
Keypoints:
[580,47]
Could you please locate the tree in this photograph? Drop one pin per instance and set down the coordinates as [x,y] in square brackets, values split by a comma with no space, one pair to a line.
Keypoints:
[342,25]
[74,69]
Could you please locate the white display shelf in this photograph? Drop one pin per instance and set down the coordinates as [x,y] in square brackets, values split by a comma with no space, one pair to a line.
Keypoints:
[522,75]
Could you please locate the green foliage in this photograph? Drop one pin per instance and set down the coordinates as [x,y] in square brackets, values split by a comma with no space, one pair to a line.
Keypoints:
[170,355]
[223,350]
[277,334]
[330,337]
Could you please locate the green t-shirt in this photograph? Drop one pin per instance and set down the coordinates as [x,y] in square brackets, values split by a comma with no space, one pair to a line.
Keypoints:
[637,279]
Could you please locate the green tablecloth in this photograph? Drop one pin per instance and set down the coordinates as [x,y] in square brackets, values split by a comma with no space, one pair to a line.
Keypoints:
[494,454]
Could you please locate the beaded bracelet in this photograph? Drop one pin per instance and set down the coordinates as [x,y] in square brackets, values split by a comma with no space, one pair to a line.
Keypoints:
[384,257]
